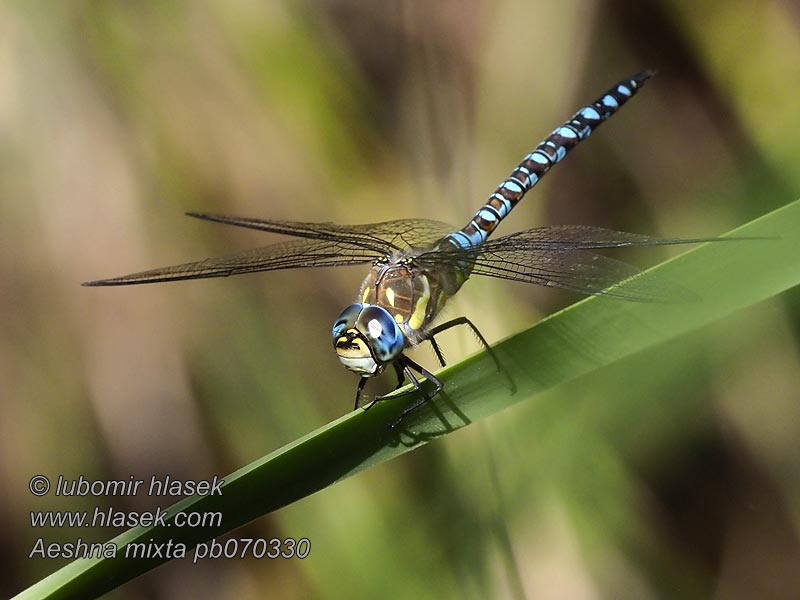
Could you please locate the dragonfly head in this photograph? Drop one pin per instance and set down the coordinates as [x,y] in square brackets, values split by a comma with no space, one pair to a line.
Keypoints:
[366,338]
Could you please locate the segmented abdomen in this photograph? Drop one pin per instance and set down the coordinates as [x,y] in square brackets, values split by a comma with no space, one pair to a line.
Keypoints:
[536,164]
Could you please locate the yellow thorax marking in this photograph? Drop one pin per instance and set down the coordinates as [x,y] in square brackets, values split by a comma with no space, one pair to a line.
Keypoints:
[420,308]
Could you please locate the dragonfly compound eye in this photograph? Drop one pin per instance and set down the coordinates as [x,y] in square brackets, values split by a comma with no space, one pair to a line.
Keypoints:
[382,331]
[346,320]
[365,338]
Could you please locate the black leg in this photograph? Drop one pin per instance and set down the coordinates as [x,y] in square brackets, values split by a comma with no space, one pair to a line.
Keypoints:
[404,366]
[362,382]
[410,364]
[401,367]
[438,351]
[455,323]
[465,321]
[400,370]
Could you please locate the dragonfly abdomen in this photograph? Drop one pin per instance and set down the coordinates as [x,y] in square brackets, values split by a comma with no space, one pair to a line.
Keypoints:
[536,164]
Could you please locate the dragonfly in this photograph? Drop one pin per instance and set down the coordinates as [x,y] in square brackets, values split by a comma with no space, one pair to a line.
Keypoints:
[418,264]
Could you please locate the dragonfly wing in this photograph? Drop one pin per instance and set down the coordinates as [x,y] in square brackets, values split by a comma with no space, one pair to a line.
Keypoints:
[384,237]
[287,255]
[562,256]
[579,271]
[582,237]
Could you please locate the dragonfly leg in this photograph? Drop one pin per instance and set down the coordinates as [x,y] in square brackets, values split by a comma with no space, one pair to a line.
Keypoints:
[410,364]
[362,382]
[403,371]
[438,351]
[406,366]
[400,370]
[401,374]
[465,321]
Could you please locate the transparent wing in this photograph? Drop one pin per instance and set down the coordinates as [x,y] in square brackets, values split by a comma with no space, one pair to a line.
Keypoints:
[561,257]
[384,237]
[325,245]
[580,237]
[580,271]
[286,255]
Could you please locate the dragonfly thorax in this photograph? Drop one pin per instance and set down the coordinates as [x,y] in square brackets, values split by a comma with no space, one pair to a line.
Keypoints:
[397,300]
[366,338]
[411,296]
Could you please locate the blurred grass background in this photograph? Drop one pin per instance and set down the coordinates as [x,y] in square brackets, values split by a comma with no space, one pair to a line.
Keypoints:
[672,474]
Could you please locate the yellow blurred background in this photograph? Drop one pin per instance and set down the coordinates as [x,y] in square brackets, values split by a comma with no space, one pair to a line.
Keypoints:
[672,474]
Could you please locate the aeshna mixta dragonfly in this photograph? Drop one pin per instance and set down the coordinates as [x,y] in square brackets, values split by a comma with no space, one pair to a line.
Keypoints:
[417,264]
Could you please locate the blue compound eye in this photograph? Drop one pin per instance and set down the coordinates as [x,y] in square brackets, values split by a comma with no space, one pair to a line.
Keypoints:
[346,320]
[385,337]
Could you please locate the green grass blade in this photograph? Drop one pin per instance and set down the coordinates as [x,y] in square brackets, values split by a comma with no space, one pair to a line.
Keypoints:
[586,336]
